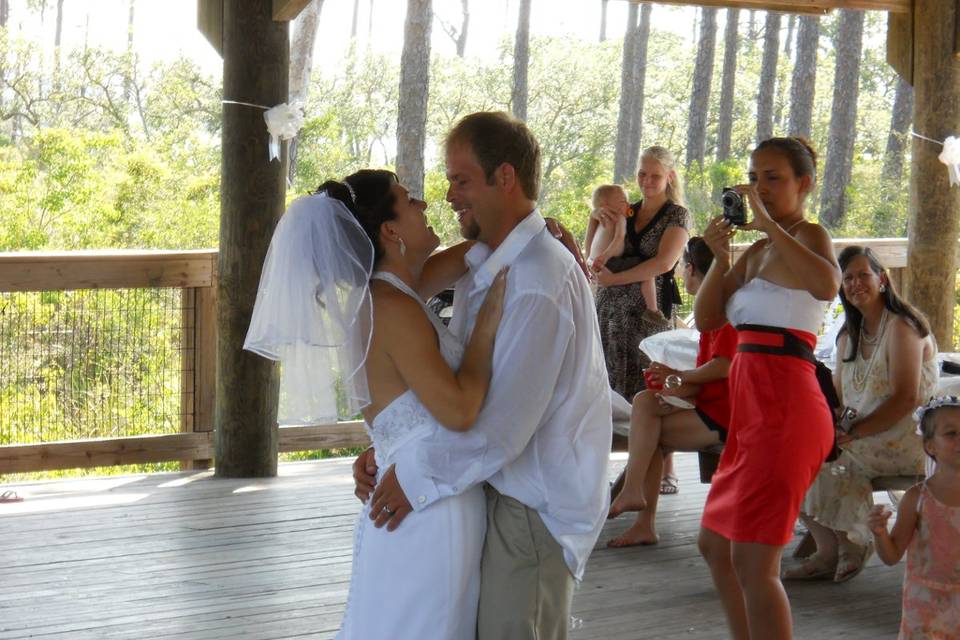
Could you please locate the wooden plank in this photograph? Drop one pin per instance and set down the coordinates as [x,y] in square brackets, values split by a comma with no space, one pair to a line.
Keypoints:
[188,345]
[104,452]
[61,271]
[286,10]
[820,7]
[271,558]
[205,363]
[892,252]
[323,436]
[210,22]
[900,44]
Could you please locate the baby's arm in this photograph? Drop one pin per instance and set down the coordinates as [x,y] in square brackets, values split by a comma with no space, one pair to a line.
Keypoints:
[892,545]
[610,240]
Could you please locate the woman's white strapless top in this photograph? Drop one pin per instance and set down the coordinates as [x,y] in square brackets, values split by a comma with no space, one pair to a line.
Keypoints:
[762,302]
[406,418]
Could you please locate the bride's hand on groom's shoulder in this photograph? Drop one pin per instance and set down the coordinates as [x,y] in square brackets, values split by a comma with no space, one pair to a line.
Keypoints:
[364,474]
[389,504]
[563,234]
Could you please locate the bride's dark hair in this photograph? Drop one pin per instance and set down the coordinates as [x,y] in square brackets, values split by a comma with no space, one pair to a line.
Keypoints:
[369,197]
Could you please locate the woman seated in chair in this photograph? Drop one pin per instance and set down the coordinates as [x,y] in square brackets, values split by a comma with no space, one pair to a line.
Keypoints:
[657,426]
[886,367]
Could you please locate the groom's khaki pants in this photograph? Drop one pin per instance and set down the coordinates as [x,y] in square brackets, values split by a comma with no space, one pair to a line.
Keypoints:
[526,587]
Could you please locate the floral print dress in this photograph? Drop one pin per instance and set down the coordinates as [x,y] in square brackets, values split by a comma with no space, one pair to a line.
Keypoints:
[931,585]
[620,308]
[842,495]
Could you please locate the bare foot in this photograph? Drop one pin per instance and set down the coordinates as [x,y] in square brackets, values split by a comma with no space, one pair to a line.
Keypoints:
[639,534]
[625,502]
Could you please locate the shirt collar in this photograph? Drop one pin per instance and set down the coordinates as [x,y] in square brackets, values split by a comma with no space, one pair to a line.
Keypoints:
[486,264]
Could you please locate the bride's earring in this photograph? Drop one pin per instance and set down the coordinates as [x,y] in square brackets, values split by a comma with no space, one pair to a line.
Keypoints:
[403,248]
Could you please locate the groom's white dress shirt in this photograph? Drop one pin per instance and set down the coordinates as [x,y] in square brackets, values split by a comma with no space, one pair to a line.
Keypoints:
[543,436]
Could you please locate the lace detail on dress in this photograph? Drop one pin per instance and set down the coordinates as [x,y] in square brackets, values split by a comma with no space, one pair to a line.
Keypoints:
[406,417]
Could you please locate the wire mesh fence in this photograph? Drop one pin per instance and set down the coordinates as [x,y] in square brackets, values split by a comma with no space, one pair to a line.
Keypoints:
[92,363]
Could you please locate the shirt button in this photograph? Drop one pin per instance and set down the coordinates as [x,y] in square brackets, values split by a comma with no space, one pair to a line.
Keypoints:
[422,499]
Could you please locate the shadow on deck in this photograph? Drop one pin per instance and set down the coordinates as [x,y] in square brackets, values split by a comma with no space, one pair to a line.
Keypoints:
[189,556]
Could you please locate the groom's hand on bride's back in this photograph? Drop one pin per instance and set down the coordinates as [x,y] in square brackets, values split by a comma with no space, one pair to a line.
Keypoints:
[365,474]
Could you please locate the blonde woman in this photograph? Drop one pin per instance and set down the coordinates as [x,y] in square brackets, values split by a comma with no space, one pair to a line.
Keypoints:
[655,239]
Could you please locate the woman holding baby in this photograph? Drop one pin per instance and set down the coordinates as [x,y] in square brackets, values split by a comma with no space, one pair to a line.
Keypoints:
[654,236]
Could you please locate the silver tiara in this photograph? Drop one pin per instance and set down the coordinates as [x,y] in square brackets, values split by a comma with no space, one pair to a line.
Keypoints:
[934,403]
[353,194]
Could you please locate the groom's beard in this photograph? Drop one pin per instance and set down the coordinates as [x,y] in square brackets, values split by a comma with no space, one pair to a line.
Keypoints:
[470,230]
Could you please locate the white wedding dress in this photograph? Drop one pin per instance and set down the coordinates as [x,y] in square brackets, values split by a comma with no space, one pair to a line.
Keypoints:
[421,581]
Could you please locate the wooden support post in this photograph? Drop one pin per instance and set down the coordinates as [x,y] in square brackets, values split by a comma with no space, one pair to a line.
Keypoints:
[934,204]
[256,58]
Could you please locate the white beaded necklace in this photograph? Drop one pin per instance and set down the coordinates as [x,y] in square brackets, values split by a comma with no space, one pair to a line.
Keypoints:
[860,372]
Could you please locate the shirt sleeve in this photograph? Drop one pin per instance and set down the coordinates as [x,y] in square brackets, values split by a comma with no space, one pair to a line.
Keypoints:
[532,341]
[725,342]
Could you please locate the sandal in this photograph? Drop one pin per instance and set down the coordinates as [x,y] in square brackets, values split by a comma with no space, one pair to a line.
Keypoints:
[811,569]
[852,560]
[669,485]
[10,496]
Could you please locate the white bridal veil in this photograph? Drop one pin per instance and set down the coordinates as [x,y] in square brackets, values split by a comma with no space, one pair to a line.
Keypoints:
[313,311]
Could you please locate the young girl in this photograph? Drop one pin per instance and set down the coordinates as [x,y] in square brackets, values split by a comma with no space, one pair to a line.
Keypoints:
[605,239]
[928,529]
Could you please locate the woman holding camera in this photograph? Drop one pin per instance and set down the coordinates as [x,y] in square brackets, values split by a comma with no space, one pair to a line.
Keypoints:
[781,428]
[886,367]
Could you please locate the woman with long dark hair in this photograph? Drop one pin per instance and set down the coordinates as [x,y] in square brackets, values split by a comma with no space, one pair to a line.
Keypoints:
[886,367]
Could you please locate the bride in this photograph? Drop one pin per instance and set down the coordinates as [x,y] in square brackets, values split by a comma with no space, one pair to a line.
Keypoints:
[341,306]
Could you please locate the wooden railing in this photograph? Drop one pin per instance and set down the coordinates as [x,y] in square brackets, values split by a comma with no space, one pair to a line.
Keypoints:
[195,273]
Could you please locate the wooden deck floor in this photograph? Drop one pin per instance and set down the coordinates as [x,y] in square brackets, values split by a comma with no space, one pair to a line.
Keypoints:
[189,556]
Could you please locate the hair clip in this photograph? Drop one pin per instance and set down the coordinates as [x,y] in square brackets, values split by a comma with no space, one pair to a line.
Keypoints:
[934,403]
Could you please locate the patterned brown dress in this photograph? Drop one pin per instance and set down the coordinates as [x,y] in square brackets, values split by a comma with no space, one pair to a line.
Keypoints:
[620,308]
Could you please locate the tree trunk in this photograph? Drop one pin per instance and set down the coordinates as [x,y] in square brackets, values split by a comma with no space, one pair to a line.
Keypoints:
[57,38]
[127,88]
[4,18]
[370,22]
[934,204]
[603,20]
[752,29]
[256,59]
[700,96]
[803,85]
[768,76]
[464,28]
[639,83]
[521,62]
[622,167]
[843,119]
[787,46]
[459,35]
[897,138]
[728,84]
[353,24]
[301,65]
[414,89]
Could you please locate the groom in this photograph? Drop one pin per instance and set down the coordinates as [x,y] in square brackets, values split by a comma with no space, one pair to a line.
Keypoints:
[543,437]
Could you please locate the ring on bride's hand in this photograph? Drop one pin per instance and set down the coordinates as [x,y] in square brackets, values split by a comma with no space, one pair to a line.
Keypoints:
[388,510]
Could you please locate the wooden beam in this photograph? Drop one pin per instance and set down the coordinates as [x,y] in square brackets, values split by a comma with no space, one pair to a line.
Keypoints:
[104,452]
[60,271]
[210,22]
[900,44]
[934,204]
[819,7]
[340,435]
[286,10]
[256,68]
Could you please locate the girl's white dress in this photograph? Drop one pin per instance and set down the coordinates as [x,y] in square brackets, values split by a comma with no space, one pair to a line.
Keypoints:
[423,579]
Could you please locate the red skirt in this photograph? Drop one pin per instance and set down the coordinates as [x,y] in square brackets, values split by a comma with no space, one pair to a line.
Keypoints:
[781,430]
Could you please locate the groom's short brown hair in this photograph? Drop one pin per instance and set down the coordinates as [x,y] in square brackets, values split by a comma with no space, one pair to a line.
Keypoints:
[496,138]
